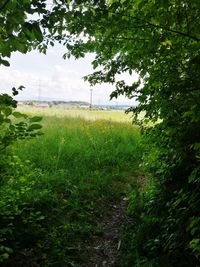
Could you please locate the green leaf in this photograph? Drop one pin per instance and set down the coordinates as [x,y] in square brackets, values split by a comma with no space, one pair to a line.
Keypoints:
[37,32]
[18,114]
[34,127]
[7,111]
[21,47]
[35,119]
[166,43]
[21,87]
[4,62]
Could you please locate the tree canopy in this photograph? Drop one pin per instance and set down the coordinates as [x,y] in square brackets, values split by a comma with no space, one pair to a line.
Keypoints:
[160,40]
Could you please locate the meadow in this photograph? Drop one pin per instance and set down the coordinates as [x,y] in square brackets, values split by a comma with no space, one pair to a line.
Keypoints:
[83,160]
[87,114]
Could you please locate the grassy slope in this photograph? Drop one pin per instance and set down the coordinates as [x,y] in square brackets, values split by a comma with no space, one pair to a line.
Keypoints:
[76,167]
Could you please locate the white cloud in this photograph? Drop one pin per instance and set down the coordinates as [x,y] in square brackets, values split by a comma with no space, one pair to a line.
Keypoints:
[51,77]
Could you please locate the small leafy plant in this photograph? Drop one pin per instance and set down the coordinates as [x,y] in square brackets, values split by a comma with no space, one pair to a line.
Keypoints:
[13,126]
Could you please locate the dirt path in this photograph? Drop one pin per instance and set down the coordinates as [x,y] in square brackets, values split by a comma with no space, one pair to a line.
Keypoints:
[105,250]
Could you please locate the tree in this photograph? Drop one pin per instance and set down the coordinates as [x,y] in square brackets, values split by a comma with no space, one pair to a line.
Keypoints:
[160,40]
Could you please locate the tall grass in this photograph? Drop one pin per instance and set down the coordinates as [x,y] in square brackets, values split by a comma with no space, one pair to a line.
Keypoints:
[109,115]
[82,146]
[75,168]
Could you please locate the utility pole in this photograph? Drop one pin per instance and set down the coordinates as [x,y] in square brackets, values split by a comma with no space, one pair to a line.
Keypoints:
[91,91]
[39,90]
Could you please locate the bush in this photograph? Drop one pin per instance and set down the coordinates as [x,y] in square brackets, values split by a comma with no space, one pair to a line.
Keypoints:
[13,178]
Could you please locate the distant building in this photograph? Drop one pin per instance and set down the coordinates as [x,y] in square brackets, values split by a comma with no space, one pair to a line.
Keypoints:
[41,104]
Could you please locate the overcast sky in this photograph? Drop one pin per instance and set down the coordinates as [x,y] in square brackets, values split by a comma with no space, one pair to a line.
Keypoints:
[51,77]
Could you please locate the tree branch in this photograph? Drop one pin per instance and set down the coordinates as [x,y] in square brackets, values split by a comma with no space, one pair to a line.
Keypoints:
[147,23]
[174,31]
[128,38]
[158,26]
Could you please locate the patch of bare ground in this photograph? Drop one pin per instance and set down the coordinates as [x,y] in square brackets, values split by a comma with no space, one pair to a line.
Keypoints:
[104,250]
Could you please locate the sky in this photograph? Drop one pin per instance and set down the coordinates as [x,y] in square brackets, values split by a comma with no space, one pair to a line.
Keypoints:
[51,77]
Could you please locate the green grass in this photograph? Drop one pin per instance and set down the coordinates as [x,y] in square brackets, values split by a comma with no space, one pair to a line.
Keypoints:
[109,115]
[75,168]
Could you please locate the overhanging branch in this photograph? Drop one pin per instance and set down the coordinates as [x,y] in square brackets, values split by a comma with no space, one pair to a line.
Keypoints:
[173,31]
[157,26]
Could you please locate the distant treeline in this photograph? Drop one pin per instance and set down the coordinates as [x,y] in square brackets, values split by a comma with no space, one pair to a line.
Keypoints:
[82,104]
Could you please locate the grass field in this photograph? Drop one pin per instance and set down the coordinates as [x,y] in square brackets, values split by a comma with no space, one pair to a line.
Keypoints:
[83,160]
[109,115]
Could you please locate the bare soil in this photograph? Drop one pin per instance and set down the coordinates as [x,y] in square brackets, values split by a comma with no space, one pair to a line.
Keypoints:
[104,250]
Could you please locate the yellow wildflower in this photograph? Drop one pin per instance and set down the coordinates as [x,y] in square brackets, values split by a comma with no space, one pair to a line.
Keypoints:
[62,141]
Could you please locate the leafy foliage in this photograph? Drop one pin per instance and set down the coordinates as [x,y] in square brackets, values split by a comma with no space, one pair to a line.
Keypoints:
[160,40]
[13,126]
